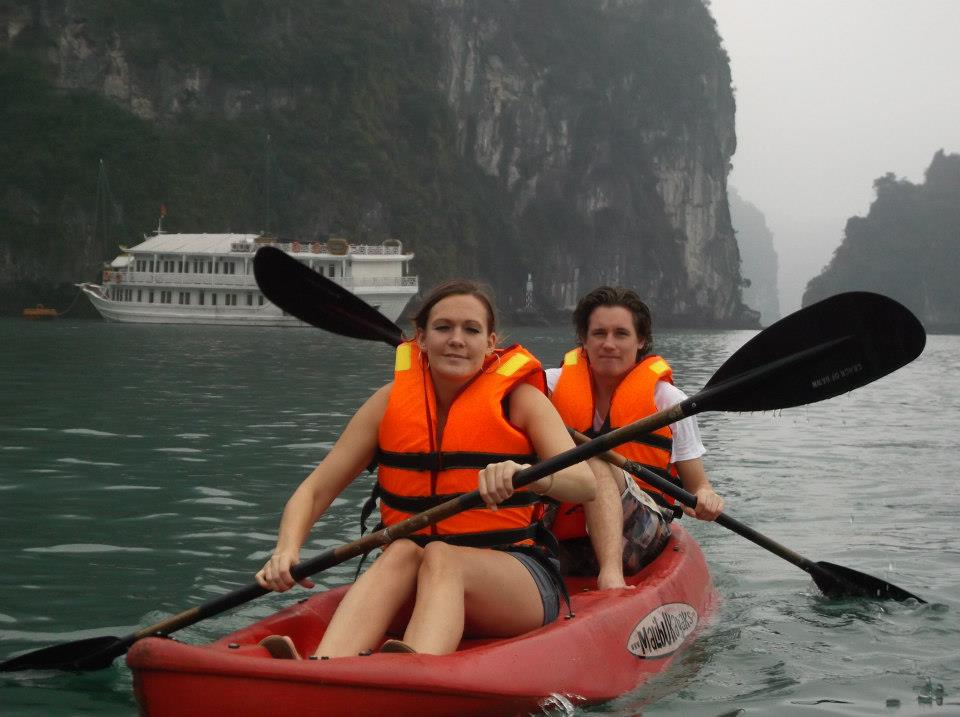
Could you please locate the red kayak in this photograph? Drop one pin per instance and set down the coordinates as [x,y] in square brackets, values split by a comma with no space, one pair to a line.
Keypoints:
[617,641]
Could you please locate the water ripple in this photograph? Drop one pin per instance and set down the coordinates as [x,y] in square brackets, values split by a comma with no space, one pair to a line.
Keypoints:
[87,548]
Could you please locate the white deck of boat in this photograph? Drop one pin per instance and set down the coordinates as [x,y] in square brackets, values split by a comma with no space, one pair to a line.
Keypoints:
[192,243]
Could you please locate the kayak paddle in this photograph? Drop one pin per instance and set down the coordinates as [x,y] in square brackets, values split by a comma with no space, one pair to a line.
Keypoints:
[834,581]
[844,342]
[99,652]
[863,325]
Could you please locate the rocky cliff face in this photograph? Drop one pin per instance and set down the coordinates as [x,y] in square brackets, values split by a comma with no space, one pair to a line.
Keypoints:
[615,159]
[606,126]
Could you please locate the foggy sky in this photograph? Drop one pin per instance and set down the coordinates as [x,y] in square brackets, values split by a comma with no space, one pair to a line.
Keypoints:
[832,94]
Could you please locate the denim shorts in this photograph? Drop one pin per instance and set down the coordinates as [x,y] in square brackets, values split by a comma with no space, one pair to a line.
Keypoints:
[546,577]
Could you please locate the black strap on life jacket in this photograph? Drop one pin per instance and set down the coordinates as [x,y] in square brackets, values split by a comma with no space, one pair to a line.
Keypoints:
[655,440]
[493,538]
[419,503]
[446,460]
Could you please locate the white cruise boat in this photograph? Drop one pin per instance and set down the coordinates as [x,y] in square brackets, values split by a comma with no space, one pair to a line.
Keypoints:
[208,279]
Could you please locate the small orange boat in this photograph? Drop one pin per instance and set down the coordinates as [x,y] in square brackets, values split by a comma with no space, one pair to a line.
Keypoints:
[40,312]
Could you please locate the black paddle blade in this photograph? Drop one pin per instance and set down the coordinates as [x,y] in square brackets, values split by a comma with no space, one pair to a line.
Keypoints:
[840,581]
[822,351]
[94,653]
[311,297]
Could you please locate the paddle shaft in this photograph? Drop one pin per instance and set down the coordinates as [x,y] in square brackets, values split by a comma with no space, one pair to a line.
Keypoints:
[690,500]
[385,536]
[701,401]
[731,523]
[711,397]
[859,338]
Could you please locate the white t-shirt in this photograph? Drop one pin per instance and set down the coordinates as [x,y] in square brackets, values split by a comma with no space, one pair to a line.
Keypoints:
[686,433]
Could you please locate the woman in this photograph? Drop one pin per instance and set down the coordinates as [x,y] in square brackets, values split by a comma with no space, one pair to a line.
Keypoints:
[610,380]
[459,415]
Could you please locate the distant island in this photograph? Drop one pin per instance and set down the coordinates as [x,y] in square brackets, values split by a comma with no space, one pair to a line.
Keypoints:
[907,247]
[759,263]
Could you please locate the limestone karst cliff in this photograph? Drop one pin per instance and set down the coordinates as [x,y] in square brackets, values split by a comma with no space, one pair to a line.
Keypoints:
[907,247]
[759,262]
[580,142]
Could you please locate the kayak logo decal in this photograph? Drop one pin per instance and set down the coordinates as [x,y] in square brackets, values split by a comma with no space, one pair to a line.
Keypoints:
[663,630]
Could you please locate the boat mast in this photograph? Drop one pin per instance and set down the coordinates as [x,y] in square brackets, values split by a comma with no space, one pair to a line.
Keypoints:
[266,187]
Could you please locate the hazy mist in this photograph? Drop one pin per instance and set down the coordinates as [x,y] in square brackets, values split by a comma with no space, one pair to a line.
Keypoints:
[832,94]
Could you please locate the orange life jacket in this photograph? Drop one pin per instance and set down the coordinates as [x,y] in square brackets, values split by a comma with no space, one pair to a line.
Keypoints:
[631,401]
[418,470]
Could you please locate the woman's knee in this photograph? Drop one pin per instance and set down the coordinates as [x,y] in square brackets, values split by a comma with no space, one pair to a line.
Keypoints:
[401,553]
[439,559]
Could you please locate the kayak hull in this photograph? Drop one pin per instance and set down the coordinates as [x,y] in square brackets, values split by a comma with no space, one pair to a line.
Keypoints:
[617,640]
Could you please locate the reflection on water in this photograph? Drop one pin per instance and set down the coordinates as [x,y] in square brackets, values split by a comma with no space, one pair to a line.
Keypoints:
[143,470]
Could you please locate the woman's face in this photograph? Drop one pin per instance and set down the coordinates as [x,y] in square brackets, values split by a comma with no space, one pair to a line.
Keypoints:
[456,339]
[611,342]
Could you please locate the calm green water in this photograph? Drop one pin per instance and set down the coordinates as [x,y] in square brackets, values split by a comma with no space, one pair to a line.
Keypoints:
[143,470]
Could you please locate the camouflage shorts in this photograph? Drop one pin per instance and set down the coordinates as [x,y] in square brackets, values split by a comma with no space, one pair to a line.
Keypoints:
[645,532]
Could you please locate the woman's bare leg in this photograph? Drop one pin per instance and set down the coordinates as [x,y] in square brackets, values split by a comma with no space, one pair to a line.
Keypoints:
[362,618]
[489,592]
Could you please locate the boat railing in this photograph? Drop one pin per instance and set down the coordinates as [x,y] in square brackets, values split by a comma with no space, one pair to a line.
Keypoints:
[378,281]
[375,249]
[192,279]
[247,281]
[296,247]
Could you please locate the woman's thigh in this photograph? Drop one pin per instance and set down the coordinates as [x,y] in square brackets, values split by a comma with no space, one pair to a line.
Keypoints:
[501,597]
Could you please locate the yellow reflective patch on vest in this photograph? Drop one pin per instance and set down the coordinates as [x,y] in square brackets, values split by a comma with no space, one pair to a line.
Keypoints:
[659,367]
[402,362]
[571,357]
[512,365]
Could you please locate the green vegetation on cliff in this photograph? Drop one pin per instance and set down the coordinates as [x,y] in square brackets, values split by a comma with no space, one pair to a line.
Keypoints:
[368,147]
[493,137]
[908,247]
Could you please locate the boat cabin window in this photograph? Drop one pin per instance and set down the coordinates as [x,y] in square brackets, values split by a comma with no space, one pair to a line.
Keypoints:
[200,296]
[260,300]
[139,294]
[332,269]
[150,298]
[209,267]
[249,299]
[213,299]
